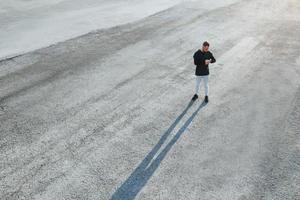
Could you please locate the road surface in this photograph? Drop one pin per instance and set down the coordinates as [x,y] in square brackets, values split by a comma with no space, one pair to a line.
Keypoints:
[107,115]
[29,25]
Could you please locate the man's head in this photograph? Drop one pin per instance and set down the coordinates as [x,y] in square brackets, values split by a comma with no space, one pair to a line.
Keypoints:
[205,46]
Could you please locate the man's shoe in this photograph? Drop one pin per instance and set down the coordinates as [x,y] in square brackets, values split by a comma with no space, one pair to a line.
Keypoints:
[195,97]
[206,99]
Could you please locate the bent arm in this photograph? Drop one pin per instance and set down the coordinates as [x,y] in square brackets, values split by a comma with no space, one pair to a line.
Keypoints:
[213,60]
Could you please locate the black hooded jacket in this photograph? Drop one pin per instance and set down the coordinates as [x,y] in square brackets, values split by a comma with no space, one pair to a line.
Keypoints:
[199,61]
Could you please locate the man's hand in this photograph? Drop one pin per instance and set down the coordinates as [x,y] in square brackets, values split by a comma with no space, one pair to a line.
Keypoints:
[207,61]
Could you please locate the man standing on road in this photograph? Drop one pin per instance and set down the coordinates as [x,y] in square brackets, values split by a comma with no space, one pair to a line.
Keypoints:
[202,58]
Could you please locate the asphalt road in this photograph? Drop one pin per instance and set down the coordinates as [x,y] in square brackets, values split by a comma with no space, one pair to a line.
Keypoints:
[108,115]
[29,25]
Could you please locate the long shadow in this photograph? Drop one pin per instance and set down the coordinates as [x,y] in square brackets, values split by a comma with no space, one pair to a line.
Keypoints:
[140,176]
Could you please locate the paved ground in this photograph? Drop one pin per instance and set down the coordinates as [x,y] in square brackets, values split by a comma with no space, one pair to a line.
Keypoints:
[107,115]
[27,25]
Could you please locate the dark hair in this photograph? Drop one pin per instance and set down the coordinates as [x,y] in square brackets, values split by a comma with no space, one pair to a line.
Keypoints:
[205,44]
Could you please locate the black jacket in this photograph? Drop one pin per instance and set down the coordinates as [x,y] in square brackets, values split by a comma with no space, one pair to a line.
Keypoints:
[199,61]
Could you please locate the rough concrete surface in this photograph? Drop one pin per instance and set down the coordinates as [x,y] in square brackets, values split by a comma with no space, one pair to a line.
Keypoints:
[108,115]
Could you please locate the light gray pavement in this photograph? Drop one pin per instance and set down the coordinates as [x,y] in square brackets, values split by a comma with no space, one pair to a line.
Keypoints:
[29,25]
[108,115]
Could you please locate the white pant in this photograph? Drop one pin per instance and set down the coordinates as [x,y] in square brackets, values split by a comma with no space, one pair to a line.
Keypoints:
[198,81]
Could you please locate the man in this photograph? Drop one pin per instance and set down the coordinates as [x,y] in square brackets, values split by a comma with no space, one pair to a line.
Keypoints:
[202,58]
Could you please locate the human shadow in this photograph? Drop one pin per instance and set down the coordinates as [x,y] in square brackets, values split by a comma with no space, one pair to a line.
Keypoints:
[140,176]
